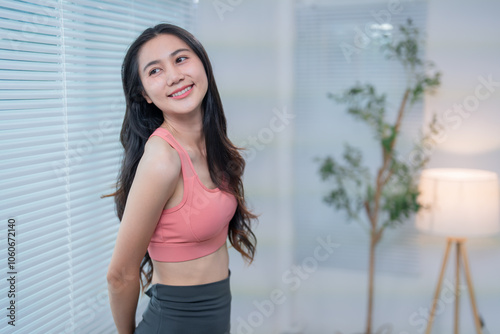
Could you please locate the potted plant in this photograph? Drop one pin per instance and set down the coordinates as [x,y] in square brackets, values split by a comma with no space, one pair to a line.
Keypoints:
[388,198]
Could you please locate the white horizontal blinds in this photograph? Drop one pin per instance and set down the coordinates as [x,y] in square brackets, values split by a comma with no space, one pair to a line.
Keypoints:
[332,53]
[61,111]
[32,137]
[95,38]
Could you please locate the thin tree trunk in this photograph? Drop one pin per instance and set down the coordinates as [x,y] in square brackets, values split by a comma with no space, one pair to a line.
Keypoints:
[371,276]
[376,234]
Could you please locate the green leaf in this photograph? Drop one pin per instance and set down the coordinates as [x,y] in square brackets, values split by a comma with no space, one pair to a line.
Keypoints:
[348,178]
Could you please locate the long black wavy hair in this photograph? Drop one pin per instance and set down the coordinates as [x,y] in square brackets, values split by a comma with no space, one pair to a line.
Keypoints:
[225,163]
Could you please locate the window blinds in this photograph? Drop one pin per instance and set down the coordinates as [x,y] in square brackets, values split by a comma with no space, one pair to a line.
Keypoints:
[61,108]
[332,52]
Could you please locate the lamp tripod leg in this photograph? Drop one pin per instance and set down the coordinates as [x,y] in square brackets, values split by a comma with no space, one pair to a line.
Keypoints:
[438,288]
[471,290]
[457,284]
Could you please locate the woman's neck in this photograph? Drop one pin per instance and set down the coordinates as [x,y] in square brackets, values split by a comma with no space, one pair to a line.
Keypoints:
[187,130]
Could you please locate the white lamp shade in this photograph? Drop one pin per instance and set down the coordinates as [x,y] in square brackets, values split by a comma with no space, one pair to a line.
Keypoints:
[459,202]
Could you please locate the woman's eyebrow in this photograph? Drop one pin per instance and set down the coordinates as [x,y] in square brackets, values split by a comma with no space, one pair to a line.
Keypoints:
[173,54]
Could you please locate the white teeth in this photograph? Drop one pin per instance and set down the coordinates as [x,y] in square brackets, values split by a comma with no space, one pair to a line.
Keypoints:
[182,91]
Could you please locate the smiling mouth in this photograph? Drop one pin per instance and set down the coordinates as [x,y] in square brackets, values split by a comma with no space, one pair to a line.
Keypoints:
[181,92]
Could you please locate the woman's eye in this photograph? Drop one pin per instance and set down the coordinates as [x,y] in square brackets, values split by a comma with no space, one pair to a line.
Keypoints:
[154,71]
[180,59]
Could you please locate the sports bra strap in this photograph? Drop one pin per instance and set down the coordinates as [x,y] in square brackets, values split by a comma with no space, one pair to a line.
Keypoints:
[187,171]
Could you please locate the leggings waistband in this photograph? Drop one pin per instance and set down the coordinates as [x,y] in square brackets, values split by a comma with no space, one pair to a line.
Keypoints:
[182,293]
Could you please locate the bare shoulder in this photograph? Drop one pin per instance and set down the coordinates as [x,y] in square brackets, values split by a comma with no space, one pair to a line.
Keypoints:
[160,159]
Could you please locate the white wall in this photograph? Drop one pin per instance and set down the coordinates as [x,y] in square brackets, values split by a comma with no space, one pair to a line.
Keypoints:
[250,45]
[464,42]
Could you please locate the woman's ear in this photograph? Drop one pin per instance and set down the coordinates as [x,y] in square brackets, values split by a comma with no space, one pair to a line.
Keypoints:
[148,100]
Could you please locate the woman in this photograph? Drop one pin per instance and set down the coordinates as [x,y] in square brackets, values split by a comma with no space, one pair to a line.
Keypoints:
[179,194]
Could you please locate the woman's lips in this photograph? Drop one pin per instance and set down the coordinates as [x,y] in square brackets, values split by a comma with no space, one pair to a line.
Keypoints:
[182,93]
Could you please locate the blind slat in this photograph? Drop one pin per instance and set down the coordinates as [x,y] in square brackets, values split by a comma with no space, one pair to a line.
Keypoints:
[26,8]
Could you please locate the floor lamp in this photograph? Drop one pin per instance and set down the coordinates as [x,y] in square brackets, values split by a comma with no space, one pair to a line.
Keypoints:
[458,204]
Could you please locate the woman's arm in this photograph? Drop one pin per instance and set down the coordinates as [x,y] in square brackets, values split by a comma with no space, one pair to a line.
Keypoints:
[154,183]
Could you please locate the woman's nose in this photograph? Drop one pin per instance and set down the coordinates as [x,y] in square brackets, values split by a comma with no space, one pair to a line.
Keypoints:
[174,76]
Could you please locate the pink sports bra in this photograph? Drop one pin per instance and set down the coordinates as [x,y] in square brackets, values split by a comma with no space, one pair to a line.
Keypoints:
[198,225]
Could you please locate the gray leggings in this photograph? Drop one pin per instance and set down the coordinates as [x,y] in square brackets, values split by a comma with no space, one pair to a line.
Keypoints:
[190,309]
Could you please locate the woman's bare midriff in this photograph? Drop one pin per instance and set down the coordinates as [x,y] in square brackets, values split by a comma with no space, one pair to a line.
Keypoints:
[207,269]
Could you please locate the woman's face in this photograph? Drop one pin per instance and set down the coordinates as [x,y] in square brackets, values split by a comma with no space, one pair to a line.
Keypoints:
[172,75]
